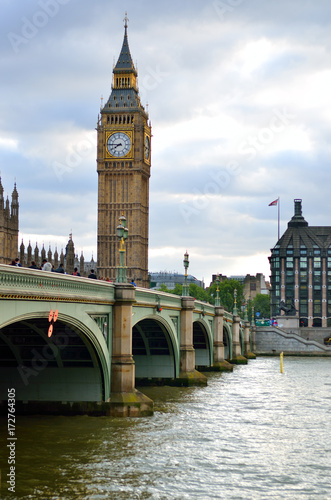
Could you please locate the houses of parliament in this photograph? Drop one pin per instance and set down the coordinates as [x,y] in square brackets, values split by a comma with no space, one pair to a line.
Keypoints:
[123,166]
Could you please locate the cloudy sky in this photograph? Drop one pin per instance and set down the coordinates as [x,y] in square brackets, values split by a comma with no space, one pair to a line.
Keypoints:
[238,93]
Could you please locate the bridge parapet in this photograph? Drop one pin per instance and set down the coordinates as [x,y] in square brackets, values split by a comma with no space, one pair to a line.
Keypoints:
[154,298]
[23,283]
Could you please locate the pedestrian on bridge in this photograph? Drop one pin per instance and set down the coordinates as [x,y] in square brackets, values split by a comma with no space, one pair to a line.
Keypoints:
[47,266]
[92,275]
[60,269]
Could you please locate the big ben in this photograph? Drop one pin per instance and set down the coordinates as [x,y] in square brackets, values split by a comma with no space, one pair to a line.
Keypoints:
[123,165]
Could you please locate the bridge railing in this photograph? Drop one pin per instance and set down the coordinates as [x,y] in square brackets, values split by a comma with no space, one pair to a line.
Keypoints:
[24,283]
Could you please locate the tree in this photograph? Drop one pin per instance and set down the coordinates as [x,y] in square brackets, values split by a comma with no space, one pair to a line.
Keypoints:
[199,293]
[261,303]
[227,288]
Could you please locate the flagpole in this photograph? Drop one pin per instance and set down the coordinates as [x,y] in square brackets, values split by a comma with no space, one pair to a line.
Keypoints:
[278,216]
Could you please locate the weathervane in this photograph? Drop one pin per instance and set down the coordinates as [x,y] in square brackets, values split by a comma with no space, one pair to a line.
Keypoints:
[126,19]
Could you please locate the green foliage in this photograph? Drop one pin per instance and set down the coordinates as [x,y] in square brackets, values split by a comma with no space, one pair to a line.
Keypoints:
[178,290]
[226,288]
[261,304]
[199,293]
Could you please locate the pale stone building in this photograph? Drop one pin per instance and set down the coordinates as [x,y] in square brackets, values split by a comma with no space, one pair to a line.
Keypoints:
[8,226]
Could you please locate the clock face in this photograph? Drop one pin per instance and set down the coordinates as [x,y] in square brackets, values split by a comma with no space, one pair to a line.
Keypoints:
[119,144]
[147,147]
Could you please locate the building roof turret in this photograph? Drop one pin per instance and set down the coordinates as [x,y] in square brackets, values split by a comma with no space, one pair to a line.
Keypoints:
[297,219]
[124,95]
[125,62]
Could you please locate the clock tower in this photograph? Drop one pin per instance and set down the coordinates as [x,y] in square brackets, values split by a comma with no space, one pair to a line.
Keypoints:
[123,165]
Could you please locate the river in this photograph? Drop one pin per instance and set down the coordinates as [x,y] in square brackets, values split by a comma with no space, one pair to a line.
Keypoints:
[254,434]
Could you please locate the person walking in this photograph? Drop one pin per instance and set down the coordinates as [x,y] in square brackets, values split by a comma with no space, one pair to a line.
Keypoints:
[60,269]
[92,275]
[46,266]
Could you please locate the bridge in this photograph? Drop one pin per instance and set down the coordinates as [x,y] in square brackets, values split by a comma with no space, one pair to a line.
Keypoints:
[74,345]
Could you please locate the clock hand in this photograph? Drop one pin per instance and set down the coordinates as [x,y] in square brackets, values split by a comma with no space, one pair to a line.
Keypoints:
[116,145]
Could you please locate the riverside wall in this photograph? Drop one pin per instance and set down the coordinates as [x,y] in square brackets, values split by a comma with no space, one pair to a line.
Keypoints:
[273,341]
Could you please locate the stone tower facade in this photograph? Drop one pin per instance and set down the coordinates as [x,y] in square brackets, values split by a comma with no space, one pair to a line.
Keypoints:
[123,166]
[8,227]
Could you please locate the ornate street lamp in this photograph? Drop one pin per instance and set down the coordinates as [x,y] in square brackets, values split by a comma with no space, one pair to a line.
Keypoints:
[246,315]
[122,234]
[186,264]
[235,310]
[218,300]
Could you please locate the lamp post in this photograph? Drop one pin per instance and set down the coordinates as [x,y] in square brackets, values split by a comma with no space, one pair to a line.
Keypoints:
[122,234]
[246,315]
[218,300]
[235,310]
[186,264]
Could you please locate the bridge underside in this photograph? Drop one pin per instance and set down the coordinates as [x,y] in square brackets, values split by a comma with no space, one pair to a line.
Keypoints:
[61,368]
[226,342]
[152,351]
[201,346]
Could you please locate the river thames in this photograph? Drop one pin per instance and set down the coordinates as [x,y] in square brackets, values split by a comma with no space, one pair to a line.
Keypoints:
[254,434]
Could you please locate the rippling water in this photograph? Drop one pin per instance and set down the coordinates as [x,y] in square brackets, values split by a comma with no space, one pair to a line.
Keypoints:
[251,434]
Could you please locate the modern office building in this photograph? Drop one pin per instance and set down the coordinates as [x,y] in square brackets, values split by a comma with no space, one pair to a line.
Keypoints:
[170,280]
[301,272]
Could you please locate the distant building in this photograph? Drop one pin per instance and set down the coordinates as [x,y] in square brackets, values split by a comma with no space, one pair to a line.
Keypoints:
[300,265]
[8,227]
[68,258]
[253,285]
[171,279]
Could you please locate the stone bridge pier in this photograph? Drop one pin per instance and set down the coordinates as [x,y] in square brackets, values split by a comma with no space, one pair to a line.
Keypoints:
[188,374]
[124,398]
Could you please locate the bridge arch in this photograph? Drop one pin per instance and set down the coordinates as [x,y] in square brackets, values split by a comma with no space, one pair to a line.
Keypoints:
[72,365]
[227,341]
[202,343]
[155,348]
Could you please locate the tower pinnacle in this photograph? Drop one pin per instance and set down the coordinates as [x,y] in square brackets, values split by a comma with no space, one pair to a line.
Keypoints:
[126,20]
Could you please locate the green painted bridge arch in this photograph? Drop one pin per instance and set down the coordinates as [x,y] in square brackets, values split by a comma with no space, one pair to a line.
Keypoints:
[106,338]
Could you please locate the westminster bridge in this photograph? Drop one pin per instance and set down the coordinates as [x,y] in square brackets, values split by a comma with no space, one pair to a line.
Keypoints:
[76,345]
